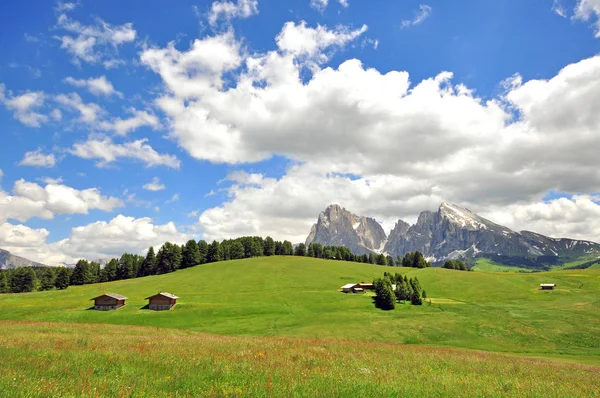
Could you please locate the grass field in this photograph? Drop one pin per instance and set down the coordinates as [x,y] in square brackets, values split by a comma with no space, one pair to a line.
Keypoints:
[61,359]
[299,297]
[263,300]
[487,265]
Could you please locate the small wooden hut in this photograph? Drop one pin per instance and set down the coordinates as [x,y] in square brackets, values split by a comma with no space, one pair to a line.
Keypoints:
[547,286]
[109,301]
[162,301]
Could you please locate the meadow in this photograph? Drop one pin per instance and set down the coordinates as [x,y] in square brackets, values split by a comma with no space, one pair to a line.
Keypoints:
[285,308]
[60,359]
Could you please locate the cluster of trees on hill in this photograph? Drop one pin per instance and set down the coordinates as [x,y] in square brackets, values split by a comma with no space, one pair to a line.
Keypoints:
[407,289]
[455,264]
[171,257]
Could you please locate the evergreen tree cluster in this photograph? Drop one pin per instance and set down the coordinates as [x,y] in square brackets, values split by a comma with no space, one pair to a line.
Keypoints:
[455,264]
[407,290]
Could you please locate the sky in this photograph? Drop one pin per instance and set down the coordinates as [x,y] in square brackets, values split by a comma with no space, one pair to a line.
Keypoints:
[128,123]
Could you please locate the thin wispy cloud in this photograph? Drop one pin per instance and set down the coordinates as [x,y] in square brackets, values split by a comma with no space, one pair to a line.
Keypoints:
[421,15]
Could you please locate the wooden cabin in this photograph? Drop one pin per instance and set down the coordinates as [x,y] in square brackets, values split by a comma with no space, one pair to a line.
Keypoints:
[109,301]
[367,286]
[162,301]
[348,288]
[547,286]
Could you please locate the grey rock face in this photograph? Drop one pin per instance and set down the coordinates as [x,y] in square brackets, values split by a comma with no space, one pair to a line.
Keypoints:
[337,226]
[451,232]
[10,261]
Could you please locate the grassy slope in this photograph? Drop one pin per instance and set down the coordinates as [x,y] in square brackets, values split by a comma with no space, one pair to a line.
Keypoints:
[298,297]
[488,265]
[61,359]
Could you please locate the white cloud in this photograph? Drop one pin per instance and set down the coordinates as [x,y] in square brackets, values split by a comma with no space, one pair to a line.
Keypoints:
[39,159]
[319,5]
[106,151]
[586,10]
[93,43]
[154,185]
[89,113]
[98,86]
[227,10]
[420,16]
[302,41]
[24,106]
[344,3]
[100,239]
[32,200]
[63,6]
[137,120]
[173,199]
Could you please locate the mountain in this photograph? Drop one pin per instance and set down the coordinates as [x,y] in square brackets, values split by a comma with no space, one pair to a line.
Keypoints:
[337,226]
[9,261]
[455,232]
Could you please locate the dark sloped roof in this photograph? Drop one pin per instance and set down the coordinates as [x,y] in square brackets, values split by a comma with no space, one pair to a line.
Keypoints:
[113,295]
[165,294]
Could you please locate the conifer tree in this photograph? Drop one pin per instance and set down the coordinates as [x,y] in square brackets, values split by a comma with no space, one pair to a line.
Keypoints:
[3,282]
[213,254]
[190,255]
[148,266]
[300,250]
[22,280]
[269,246]
[236,250]
[203,251]
[62,278]
[48,279]
[288,248]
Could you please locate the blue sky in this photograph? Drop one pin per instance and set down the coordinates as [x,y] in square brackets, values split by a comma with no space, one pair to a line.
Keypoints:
[74,75]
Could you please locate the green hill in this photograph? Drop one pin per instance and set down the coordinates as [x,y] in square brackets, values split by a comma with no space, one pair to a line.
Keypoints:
[299,297]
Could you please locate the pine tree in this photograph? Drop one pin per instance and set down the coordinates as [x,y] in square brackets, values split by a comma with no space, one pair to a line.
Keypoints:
[381,260]
[300,250]
[269,246]
[110,270]
[213,252]
[385,297]
[415,299]
[190,255]
[202,250]
[48,279]
[22,280]
[416,286]
[148,266]
[62,278]
[3,283]
[236,250]
[80,274]
[125,267]
[288,248]
[424,294]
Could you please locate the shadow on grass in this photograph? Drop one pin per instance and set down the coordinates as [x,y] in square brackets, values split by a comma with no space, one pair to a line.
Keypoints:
[146,307]
[378,304]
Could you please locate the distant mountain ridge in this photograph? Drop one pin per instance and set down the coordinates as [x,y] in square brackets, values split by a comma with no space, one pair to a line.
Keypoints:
[10,261]
[451,232]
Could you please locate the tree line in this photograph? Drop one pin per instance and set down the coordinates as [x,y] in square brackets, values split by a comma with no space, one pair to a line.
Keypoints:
[406,290]
[171,257]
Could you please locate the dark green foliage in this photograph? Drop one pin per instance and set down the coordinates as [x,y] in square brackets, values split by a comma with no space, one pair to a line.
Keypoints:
[148,266]
[381,260]
[390,261]
[203,251]
[401,290]
[236,250]
[109,272]
[81,274]
[214,253]
[190,255]
[385,298]
[416,299]
[424,294]
[288,248]
[372,258]
[300,250]
[415,260]
[416,286]
[4,288]
[455,264]
[269,246]
[126,267]
[168,258]
[48,279]
[61,281]
[22,280]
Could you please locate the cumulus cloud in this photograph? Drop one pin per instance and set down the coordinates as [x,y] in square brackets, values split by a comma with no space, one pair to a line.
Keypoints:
[24,106]
[227,10]
[104,149]
[154,185]
[32,200]
[93,43]
[138,119]
[421,15]
[559,9]
[98,86]
[89,113]
[436,134]
[100,239]
[38,159]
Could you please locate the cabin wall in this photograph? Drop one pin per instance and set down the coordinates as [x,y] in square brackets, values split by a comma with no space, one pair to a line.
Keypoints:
[107,303]
[161,303]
